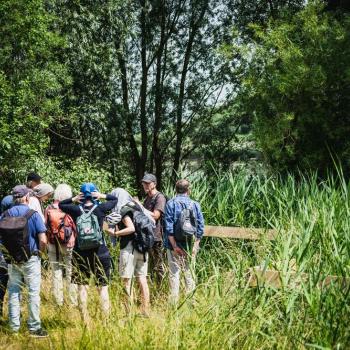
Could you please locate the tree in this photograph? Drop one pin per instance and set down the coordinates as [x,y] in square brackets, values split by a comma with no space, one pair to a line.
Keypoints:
[171,71]
[32,81]
[296,85]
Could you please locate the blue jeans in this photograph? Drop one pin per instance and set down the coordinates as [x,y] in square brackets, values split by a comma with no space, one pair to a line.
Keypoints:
[3,283]
[30,272]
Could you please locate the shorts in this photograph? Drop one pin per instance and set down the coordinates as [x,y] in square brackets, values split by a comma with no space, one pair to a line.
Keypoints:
[95,263]
[132,263]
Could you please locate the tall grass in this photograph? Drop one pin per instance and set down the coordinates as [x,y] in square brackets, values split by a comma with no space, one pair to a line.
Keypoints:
[313,242]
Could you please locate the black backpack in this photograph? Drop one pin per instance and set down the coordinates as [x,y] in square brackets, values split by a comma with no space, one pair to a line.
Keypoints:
[186,225]
[144,228]
[14,236]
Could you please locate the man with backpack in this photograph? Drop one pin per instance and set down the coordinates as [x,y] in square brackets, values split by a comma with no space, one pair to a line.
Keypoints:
[184,228]
[22,233]
[61,234]
[6,203]
[155,202]
[91,256]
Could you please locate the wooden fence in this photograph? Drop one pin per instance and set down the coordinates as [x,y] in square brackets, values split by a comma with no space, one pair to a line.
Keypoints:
[239,232]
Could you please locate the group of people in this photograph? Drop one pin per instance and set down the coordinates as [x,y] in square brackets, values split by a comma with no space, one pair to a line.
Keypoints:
[72,230]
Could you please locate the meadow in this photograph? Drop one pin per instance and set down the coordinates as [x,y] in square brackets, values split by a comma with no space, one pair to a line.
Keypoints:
[312,218]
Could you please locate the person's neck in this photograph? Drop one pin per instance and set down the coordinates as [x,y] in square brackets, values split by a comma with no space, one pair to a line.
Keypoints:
[183,194]
[153,192]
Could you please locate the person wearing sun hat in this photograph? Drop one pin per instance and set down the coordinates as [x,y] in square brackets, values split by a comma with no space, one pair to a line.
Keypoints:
[39,195]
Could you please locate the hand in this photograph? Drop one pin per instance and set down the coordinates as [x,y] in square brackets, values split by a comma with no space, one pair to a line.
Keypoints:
[111,231]
[78,198]
[98,195]
[179,251]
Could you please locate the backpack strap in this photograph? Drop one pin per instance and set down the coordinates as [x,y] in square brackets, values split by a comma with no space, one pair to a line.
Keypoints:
[91,210]
[154,200]
[29,213]
[6,213]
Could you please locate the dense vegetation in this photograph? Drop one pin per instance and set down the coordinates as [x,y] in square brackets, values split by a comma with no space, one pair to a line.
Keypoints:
[313,224]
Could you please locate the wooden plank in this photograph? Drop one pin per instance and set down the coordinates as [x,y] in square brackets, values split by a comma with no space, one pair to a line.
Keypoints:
[239,232]
[257,276]
[233,232]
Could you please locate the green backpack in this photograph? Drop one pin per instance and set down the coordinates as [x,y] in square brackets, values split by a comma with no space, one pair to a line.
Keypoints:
[89,235]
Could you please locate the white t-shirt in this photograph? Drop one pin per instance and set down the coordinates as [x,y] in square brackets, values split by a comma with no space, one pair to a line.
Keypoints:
[34,204]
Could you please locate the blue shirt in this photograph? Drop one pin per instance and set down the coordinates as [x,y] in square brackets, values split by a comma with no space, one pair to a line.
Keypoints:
[172,213]
[35,225]
[6,203]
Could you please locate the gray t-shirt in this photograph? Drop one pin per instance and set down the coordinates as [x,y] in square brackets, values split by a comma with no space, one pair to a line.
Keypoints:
[157,202]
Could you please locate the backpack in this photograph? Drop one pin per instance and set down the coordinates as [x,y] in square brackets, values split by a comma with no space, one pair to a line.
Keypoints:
[144,228]
[60,226]
[186,225]
[14,236]
[89,235]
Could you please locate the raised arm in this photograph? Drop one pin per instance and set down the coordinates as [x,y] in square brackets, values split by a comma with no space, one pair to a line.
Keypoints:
[68,207]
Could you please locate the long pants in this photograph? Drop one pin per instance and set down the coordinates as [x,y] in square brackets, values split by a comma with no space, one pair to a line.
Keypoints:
[30,271]
[3,285]
[62,267]
[176,265]
[157,264]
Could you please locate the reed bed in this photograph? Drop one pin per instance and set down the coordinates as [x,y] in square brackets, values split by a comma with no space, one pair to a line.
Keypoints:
[312,219]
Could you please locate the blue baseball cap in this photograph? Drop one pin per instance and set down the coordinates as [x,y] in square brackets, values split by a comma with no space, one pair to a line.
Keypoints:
[87,188]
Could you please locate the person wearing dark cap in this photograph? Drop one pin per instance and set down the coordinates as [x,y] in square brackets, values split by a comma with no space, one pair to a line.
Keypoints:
[28,269]
[155,202]
[33,180]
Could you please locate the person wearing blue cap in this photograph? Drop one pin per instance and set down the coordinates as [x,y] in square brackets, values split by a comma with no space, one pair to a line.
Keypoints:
[93,262]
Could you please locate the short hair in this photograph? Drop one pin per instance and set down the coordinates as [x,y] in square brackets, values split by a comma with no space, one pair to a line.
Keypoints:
[182,186]
[62,192]
[20,200]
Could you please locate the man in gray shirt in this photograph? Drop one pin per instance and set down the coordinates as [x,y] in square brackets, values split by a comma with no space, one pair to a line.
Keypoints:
[155,202]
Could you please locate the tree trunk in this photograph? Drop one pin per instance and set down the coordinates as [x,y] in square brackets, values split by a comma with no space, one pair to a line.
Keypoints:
[194,26]
[158,106]
[143,92]
[128,121]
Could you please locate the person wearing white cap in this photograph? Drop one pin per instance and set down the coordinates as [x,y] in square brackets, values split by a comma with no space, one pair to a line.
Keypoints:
[40,194]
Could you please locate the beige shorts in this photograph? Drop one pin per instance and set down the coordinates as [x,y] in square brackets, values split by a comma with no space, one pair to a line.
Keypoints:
[132,263]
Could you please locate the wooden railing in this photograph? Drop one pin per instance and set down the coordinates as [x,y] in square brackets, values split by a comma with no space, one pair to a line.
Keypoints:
[239,232]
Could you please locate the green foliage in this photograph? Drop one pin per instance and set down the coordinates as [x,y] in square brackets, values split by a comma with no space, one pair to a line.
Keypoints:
[295,83]
[31,80]
[73,172]
[313,222]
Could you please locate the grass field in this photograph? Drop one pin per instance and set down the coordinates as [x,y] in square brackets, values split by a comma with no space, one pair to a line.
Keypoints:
[313,221]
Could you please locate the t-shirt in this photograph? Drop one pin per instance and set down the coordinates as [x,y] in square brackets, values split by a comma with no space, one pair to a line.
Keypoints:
[34,204]
[35,225]
[124,240]
[157,202]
